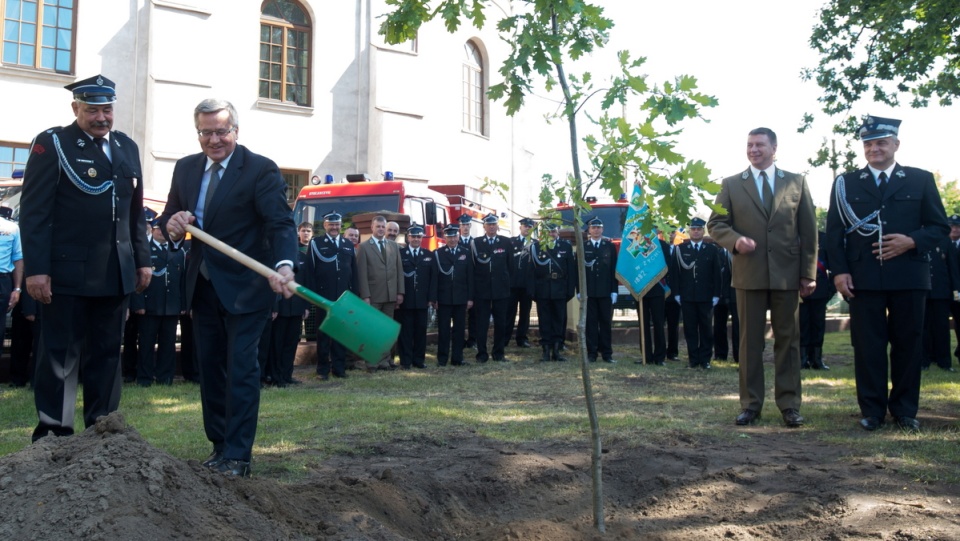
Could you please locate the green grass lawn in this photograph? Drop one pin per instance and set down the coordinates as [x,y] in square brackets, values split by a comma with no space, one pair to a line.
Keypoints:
[525,401]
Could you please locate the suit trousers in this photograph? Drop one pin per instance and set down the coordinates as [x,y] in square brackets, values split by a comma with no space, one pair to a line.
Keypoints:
[79,340]
[229,371]
[722,313]
[157,349]
[599,327]
[813,323]
[671,311]
[878,318]
[447,315]
[330,353]
[520,303]
[412,345]
[550,313]
[188,355]
[498,309]
[655,350]
[284,338]
[784,305]
[955,314]
[698,331]
[936,333]
[388,309]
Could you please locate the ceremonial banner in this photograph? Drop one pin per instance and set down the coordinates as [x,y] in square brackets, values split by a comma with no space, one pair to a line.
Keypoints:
[641,263]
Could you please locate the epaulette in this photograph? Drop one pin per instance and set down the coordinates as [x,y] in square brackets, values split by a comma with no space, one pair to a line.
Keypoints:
[55,129]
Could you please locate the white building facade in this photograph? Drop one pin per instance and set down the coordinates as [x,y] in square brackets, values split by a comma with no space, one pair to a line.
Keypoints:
[316,88]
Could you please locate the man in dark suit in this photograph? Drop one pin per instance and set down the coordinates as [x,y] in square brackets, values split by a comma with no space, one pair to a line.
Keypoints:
[554,284]
[600,256]
[453,296]
[159,308]
[520,299]
[883,221]
[696,288]
[492,255]
[813,312]
[330,270]
[84,250]
[380,276]
[770,227]
[652,304]
[238,197]
[464,224]
[419,272]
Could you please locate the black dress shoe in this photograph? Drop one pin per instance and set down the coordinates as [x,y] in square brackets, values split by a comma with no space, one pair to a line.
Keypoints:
[792,418]
[871,423]
[908,423]
[524,344]
[707,366]
[213,460]
[238,468]
[611,361]
[747,417]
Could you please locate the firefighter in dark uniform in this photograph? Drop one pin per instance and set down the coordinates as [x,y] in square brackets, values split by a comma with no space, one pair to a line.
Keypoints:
[726,309]
[882,223]
[696,287]
[520,298]
[600,257]
[285,330]
[954,221]
[671,308]
[330,269]
[85,251]
[492,255]
[944,284]
[419,272]
[465,222]
[813,313]
[654,315]
[159,308]
[452,295]
[554,284]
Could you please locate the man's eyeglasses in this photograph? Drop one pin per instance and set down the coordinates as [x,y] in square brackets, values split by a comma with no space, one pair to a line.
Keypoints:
[222,132]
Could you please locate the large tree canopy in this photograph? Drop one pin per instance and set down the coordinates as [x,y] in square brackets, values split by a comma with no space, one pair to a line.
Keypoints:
[884,50]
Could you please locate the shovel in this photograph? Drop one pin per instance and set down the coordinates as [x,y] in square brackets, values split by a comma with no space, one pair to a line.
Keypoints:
[360,327]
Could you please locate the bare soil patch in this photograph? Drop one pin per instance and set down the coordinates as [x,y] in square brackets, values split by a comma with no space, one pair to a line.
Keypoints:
[108,483]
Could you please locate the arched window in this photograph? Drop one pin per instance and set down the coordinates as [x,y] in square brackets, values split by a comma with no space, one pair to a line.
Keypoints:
[284,52]
[474,94]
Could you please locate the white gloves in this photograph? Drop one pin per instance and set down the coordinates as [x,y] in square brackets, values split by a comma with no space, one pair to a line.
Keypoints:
[613,298]
[716,300]
[677,298]
[578,296]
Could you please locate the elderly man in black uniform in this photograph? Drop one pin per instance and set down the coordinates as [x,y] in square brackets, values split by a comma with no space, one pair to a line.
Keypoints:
[419,272]
[813,313]
[453,296]
[600,256]
[696,288]
[85,250]
[883,221]
[520,298]
[492,255]
[159,308]
[330,269]
[554,284]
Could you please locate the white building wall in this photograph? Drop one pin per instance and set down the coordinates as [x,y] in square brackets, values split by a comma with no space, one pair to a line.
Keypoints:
[374,107]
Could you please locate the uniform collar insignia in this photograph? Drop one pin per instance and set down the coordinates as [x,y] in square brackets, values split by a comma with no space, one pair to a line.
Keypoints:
[745,175]
[81,143]
[900,174]
[864,175]
[779,173]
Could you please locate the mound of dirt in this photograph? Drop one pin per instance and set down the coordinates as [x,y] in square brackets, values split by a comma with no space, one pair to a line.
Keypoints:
[108,483]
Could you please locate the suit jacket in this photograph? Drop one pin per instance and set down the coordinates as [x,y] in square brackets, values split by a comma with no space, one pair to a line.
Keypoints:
[88,245]
[786,240]
[454,283]
[418,276]
[701,282]
[380,273]
[910,205]
[249,212]
[492,267]
[329,270]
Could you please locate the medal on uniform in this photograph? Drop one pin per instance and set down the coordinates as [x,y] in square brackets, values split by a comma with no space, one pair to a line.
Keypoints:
[134,183]
[92,173]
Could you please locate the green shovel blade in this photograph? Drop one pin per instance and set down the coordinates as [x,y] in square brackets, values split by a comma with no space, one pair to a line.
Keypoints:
[361,328]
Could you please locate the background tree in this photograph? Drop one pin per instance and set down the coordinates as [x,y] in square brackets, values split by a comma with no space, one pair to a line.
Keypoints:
[544,36]
[885,51]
